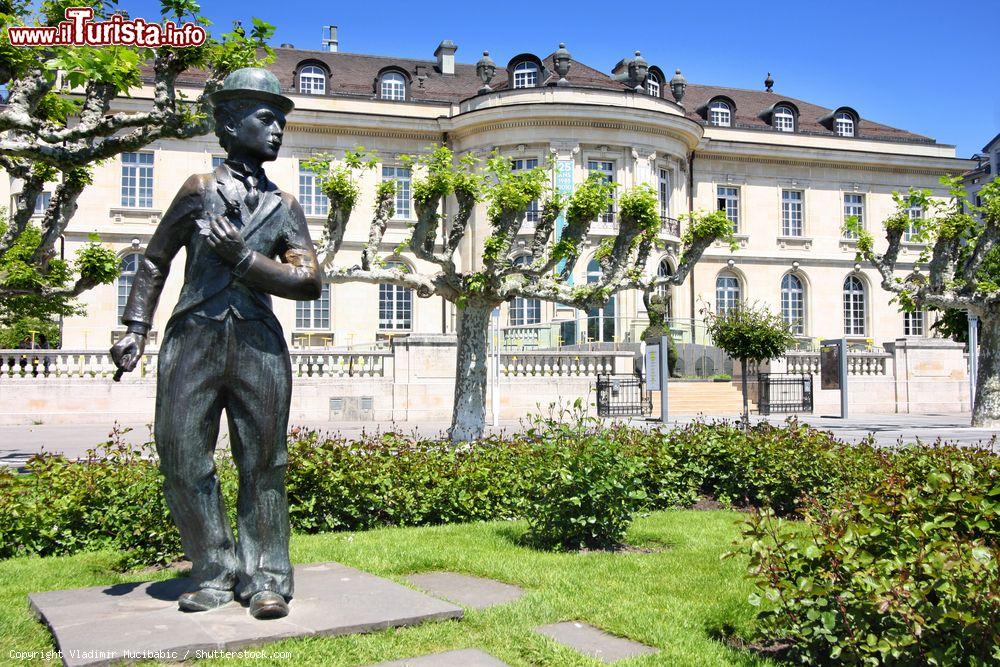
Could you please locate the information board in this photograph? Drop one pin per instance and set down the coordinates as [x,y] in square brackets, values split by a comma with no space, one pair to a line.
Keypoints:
[829,367]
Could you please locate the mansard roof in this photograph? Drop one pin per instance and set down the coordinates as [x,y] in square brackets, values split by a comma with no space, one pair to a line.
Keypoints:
[352,75]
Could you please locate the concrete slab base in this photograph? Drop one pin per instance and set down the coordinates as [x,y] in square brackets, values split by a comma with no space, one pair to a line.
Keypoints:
[468,591]
[130,622]
[470,657]
[594,642]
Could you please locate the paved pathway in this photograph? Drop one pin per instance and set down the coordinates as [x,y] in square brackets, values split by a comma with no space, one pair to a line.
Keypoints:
[18,443]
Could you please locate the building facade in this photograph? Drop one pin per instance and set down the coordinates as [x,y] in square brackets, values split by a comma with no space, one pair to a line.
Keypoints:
[787,173]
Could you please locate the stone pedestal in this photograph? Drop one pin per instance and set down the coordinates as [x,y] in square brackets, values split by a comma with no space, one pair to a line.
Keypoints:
[140,621]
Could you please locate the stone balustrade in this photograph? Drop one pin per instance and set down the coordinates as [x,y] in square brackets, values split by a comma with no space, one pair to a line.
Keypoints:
[858,363]
[563,364]
[89,364]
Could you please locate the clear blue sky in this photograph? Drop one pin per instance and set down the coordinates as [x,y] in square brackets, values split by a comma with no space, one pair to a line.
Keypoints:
[928,67]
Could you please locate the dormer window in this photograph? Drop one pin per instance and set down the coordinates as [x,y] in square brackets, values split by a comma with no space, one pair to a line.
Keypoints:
[526,75]
[312,80]
[393,87]
[843,124]
[784,119]
[653,85]
[719,114]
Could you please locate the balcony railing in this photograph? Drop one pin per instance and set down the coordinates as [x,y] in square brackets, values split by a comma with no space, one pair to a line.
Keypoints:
[670,226]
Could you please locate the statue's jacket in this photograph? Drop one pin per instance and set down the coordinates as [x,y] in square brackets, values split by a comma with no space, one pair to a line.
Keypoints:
[275,228]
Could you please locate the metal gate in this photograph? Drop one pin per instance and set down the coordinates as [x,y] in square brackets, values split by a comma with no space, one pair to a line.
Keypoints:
[784,393]
[622,396]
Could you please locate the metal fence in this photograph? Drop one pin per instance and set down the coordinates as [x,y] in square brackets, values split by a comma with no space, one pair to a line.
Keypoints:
[784,393]
[622,396]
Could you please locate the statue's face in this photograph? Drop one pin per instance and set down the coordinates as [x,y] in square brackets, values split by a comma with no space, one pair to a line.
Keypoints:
[258,133]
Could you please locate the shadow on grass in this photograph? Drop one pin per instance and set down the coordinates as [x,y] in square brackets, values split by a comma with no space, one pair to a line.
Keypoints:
[641,542]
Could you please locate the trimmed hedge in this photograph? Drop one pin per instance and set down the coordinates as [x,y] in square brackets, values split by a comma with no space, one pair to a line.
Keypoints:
[113,498]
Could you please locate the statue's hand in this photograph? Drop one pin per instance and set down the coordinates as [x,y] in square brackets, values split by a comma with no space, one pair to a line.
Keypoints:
[225,240]
[127,351]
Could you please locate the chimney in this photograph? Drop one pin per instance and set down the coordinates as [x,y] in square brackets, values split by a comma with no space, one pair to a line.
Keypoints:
[330,42]
[445,54]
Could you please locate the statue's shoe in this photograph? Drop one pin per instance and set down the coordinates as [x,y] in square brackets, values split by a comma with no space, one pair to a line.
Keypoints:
[204,599]
[268,604]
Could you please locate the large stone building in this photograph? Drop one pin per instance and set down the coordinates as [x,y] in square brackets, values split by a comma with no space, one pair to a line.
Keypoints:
[786,171]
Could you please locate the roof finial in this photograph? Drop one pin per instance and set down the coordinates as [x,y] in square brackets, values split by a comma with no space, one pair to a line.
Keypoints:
[768,83]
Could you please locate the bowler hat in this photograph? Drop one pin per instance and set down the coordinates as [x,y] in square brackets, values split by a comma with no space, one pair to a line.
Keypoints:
[252,83]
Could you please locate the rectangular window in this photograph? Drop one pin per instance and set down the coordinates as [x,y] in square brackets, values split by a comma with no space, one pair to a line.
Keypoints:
[137,180]
[42,203]
[217,162]
[791,213]
[531,215]
[854,207]
[664,188]
[314,314]
[607,171]
[402,177]
[313,201]
[913,323]
[728,200]
[914,213]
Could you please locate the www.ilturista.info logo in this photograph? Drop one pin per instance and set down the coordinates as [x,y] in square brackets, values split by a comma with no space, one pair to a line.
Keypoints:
[79,29]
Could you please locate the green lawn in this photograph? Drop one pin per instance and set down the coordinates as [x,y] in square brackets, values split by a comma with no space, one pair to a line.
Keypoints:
[676,598]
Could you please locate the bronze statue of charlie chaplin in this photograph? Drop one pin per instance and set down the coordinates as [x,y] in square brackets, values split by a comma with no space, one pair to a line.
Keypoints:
[224,349]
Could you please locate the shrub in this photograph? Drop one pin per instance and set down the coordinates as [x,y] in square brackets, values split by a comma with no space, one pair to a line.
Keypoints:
[113,499]
[586,493]
[904,572]
[772,466]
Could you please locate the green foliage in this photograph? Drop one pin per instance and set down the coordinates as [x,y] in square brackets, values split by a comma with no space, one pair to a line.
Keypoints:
[704,227]
[18,271]
[110,500]
[586,493]
[337,180]
[750,332]
[97,264]
[903,572]
[27,328]
[512,191]
[590,199]
[641,205]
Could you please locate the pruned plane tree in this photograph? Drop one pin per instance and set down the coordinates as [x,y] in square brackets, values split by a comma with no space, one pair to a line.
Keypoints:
[496,276]
[958,268]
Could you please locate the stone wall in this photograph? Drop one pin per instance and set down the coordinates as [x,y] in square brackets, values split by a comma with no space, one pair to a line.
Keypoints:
[411,381]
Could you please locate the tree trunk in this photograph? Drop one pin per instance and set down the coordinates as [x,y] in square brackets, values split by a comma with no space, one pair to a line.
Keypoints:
[746,403]
[469,415]
[986,411]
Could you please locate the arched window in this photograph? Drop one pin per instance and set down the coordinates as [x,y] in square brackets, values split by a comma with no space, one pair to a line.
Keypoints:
[784,119]
[843,124]
[600,320]
[727,292]
[854,306]
[395,304]
[719,114]
[523,311]
[127,268]
[664,270]
[793,303]
[525,74]
[652,85]
[312,80]
[393,86]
